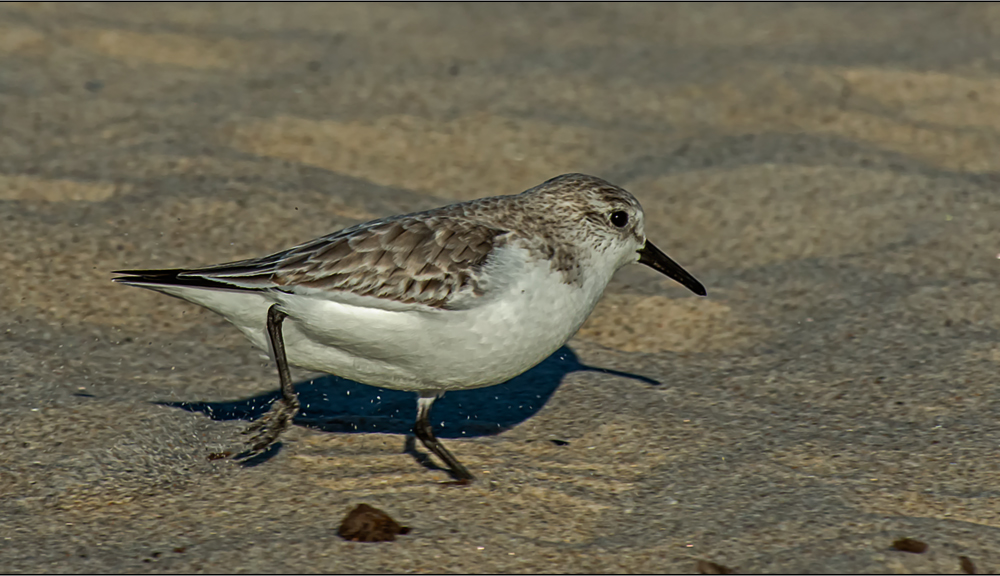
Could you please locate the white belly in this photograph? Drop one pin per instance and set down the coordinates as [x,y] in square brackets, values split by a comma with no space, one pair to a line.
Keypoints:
[526,317]
[438,349]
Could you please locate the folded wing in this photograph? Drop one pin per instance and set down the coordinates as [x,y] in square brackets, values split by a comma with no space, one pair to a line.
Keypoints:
[417,259]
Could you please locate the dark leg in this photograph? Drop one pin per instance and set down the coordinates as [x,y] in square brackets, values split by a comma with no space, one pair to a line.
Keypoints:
[422,429]
[269,427]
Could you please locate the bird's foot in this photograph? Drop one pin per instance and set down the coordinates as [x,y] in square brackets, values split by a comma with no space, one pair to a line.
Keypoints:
[269,427]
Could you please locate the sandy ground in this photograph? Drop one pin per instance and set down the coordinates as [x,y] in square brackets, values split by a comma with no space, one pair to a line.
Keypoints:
[831,173]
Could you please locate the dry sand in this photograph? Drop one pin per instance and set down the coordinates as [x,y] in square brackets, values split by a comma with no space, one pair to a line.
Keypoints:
[830,172]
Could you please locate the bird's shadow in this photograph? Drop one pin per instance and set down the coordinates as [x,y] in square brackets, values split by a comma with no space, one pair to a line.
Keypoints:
[334,404]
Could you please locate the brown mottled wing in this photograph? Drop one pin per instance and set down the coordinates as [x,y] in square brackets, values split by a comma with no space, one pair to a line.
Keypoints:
[415,259]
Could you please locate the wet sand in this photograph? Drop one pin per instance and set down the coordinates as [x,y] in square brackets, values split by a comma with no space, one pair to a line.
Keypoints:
[830,172]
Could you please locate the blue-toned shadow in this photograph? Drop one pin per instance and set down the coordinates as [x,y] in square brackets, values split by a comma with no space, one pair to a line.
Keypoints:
[336,404]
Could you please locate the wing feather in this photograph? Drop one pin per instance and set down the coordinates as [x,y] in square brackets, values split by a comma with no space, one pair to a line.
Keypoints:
[418,259]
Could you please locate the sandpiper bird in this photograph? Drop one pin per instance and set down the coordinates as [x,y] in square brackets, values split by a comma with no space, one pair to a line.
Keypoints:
[458,297]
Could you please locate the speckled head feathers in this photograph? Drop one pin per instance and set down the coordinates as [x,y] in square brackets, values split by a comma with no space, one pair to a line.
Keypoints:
[570,218]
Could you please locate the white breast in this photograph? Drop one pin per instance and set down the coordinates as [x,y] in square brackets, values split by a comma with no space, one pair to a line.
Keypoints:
[528,313]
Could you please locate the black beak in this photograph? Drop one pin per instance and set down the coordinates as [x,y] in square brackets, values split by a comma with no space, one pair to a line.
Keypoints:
[651,256]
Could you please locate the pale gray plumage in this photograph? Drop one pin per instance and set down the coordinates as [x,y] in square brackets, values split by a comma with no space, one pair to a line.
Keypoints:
[431,258]
[410,259]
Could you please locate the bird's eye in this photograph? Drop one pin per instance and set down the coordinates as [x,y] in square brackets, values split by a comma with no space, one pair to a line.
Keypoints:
[619,218]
